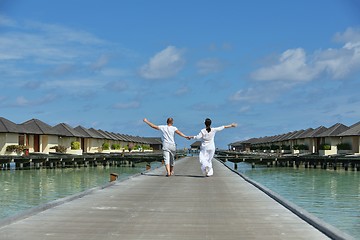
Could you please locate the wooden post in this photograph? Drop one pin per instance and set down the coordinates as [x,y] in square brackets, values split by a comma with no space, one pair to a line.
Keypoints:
[113,177]
[325,165]
[353,166]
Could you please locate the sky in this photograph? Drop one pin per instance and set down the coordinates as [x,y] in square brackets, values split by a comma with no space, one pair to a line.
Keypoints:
[270,66]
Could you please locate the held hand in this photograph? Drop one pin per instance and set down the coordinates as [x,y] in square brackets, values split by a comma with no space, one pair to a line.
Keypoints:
[234,125]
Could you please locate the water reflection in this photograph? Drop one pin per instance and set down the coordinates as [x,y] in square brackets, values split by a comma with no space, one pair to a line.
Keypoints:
[333,196]
[24,189]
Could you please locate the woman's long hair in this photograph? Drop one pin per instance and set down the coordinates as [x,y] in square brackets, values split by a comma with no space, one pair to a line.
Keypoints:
[208,124]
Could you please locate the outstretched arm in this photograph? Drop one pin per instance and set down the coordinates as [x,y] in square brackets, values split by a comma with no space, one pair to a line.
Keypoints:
[183,135]
[231,125]
[199,136]
[151,124]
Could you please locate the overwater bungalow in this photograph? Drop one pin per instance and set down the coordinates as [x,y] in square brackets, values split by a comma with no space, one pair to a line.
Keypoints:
[67,137]
[40,136]
[350,140]
[195,146]
[330,138]
[10,134]
[302,142]
[91,140]
[35,136]
[337,139]
[154,143]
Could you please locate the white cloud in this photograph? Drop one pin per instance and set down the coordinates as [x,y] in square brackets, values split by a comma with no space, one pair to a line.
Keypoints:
[72,84]
[46,43]
[164,64]
[22,101]
[209,65]
[100,63]
[7,22]
[350,35]
[253,95]
[338,63]
[261,93]
[295,65]
[292,66]
[58,33]
[244,109]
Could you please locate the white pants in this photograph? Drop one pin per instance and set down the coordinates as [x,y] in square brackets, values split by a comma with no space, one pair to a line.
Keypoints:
[169,152]
[205,157]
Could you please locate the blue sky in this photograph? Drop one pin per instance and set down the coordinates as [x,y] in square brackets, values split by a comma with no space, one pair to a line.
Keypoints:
[271,66]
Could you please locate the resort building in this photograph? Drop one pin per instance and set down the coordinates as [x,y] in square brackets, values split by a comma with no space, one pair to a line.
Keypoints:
[35,136]
[335,140]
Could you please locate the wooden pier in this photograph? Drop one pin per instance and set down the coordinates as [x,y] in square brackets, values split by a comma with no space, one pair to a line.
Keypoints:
[185,206]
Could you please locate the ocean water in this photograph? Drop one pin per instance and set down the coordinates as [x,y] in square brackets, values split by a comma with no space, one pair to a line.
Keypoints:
[24,189]
[332,196]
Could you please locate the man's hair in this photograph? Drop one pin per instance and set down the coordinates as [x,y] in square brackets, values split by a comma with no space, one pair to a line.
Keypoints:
[169,120]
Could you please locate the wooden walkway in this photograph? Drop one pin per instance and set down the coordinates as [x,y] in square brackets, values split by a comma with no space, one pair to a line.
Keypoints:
[152,206]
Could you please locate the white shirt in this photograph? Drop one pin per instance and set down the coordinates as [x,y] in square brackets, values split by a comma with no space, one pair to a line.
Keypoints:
[208,137]
[168,133]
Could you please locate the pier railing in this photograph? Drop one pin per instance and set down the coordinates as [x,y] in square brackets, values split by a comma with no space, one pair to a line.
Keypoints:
[56,160]
[350,162]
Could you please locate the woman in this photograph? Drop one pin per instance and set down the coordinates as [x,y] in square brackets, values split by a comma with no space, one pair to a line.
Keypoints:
[207,148]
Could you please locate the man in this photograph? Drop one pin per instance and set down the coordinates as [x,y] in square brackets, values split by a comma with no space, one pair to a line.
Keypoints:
[169,147]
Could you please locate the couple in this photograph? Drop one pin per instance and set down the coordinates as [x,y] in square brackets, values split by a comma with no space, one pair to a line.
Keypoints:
[207,149]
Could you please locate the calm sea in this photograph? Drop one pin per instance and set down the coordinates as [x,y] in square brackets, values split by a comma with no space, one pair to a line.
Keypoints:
[24,189]
[333,196]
